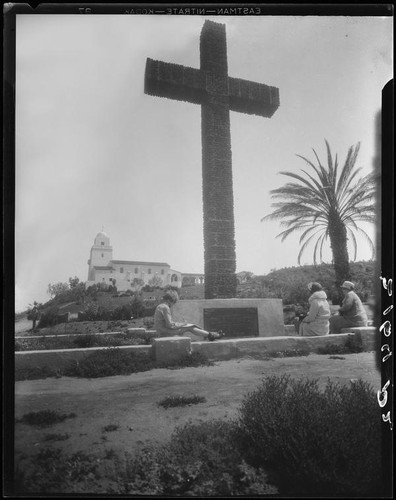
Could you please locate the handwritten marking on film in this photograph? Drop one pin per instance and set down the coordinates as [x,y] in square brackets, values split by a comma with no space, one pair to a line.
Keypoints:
[386,330]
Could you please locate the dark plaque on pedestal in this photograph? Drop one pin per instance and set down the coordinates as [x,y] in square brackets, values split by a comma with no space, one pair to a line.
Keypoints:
[235,322]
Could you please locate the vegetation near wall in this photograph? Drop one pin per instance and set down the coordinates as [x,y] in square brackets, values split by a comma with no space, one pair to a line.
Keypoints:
[101,302]
[290,284]
[290,438]
[316,442]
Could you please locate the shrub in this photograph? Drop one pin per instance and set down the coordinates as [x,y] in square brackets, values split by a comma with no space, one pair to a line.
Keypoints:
[48,318]
[175,401]
[148,323]
[122,313]
[35,373]
[332,349]
[109,362]
[315,441]
[200,460]
[137,307]
[54,472]
[353,344]
[113,361]
[110,428]
[85,341]
[44,418]
[291,353]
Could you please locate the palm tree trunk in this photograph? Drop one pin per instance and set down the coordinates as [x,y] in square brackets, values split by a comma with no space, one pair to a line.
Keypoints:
[338,241]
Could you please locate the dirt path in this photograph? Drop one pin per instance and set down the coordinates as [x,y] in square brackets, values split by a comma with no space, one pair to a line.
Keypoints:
[131,402]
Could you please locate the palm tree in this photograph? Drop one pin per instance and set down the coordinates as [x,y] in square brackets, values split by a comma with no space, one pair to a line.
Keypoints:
[326,206]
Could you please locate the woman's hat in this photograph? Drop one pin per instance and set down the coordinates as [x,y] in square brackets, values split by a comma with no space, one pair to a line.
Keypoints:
[314,287]
[348,285]
[171,296]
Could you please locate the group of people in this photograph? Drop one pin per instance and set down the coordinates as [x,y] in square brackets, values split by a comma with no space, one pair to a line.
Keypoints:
[319,321]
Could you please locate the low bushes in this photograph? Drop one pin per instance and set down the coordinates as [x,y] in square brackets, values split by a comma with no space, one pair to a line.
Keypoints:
[314,442]
[353,344]
[110,362]
[176,401]
[44,418]
[290,439]
[48,318]
[200,460]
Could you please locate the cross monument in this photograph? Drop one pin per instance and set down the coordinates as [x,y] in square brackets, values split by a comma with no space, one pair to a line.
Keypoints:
[217,93]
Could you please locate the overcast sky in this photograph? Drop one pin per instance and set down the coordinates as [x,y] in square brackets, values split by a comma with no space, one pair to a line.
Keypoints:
[93,150]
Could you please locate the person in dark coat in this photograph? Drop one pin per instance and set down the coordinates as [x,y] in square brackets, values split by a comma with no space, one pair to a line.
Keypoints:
[351,313]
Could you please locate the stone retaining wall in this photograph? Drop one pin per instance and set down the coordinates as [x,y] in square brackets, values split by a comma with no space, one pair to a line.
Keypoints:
[162,348]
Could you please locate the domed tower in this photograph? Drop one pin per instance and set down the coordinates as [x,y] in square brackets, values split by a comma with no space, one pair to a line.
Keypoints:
[101,254]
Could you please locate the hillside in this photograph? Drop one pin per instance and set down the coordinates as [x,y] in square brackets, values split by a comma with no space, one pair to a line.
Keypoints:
[288,284]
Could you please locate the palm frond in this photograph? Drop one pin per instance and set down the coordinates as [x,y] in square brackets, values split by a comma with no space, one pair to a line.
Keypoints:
[348,166]
[325,236]
[304,246]
[354,243]
[367,239]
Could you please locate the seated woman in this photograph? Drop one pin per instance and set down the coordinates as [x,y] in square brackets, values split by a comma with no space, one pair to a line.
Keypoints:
[316,322]
[351,313]
[165,326]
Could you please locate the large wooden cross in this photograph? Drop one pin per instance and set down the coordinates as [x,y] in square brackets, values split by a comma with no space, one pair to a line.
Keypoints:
[217,93]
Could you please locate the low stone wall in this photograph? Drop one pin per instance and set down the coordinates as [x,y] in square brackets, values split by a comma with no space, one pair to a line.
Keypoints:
[249,347]
[167,348]
[369,336]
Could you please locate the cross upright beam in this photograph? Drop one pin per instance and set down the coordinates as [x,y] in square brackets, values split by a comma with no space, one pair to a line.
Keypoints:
[217,93]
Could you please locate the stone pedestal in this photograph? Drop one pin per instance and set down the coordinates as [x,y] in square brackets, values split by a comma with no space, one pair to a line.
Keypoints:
[237,318]
[167,349]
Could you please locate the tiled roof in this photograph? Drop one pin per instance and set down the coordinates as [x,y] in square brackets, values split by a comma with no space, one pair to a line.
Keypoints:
[193,274]
[139,263]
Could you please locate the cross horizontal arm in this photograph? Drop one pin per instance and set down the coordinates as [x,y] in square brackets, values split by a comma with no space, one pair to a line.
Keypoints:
[174,81]
[252,98]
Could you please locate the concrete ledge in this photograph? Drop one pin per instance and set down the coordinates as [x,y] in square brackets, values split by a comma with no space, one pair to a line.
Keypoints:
[359,329]
[167,349]
[136,330]
[170,348]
